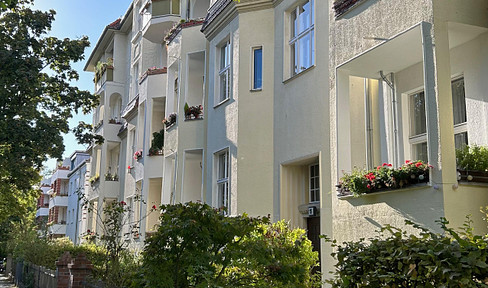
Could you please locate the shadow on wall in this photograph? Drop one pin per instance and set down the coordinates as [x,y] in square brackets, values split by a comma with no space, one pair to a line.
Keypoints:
[422,205]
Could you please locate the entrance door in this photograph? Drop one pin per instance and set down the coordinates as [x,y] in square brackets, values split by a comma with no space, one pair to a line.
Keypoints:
[313,232]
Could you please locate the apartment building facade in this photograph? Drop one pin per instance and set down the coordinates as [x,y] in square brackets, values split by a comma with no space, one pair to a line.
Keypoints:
[58,200]
[79,185]
[408,85]
[259,107]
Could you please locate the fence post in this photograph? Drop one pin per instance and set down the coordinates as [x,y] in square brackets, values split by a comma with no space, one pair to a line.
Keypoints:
[79,269]
[62,270]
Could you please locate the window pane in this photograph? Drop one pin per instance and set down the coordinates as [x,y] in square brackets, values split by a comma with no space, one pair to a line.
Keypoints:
[461,140]
[294,24]
[222,173]
[304,18]
[305,50]
[224,85]
[294,58]
[420,152]
[258,69]
[223,57]
[458,101]
[417,112]
[175,7]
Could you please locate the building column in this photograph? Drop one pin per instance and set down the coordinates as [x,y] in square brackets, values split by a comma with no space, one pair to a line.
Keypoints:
[438,101]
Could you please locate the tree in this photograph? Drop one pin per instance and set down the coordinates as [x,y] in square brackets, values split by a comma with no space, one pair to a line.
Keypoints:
[36,97]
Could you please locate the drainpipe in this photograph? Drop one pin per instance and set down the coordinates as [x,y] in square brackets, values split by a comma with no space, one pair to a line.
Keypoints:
[369,130]
[394,109]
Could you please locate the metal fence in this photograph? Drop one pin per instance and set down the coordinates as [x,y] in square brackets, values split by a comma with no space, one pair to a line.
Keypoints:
[27,275]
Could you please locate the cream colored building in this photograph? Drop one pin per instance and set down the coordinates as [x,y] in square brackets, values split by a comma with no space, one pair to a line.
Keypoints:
[408,84]
[292,94]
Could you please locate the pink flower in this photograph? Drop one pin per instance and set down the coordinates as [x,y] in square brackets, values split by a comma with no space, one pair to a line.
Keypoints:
[369,186]
[378,168]
[154,207]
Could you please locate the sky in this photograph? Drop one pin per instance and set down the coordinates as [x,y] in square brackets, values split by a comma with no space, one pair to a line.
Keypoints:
[74,19]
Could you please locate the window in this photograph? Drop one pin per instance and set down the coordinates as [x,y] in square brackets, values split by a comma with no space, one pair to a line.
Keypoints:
[257,68]
[224,72]
[314,187]
[223,180]
[418,125]
[459,113]
[302,37]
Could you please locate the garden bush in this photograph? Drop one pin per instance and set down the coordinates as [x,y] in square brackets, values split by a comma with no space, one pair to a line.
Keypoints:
[451,259]
[473,158]
[197,246]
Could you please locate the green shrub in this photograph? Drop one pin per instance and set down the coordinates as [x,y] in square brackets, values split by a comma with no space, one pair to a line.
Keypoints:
[474,158]
[402,260]
[197,246]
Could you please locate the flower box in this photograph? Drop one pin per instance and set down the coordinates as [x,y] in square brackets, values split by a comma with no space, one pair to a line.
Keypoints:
[472,176]
[170,120]
[383,178]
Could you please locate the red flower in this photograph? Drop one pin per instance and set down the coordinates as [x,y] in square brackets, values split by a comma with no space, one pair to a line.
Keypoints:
[378,168]
[430,166]
[88,231]
[128,167]
[408,162]
[123,203]
[389,165]
[370,176]
[385,164]
[418,164]
[369,186]
[154,207]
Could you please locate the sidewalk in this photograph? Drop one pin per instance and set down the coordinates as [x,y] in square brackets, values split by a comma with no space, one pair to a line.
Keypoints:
[4,283]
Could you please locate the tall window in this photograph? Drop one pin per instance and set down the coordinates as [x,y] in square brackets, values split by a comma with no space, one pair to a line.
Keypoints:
[418,125]
[459,113]
[257,68]
[302,37]
[314,187]
[223,180]
[224,72]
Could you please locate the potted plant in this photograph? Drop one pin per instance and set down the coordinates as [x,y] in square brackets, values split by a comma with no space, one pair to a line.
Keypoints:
[384,177]
[157,143]
[170,120]
[472,163]
[138,155]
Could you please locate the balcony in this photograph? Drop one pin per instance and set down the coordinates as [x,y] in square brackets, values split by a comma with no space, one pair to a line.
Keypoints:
[159,17]
[107,74]
[153,84]
[42,212]
[61,201]
[58,228]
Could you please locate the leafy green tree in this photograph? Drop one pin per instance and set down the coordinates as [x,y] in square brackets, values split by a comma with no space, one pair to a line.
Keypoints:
[36,97]
[197,246]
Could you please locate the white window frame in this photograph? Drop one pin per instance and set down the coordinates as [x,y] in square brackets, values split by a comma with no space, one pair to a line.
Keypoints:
[253,68]
[416,139]
[225,72]
[422,138]
[462,127]
[295,39]
[222,200]
[313,190]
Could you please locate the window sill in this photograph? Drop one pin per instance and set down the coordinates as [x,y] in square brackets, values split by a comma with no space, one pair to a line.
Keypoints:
[221,103]
[170,126]
[256,90]
[193,119]
[409,188]
[298,74]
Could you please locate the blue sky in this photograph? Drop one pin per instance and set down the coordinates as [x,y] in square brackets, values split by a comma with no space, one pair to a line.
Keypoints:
[75,19]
